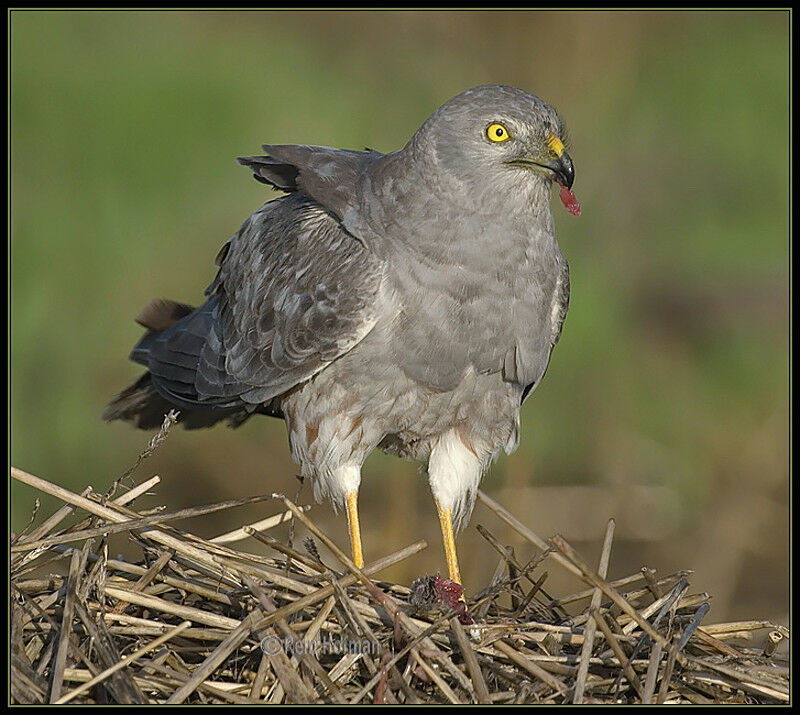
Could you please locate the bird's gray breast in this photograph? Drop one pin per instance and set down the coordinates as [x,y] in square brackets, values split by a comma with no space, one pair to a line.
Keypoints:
[481,294]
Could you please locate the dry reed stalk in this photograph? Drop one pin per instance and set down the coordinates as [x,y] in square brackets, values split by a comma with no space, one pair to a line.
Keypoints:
[589,631]
[471,661]
[123,663]
[188,623]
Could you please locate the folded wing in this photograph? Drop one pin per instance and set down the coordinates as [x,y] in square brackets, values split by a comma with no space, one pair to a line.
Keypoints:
[294,292]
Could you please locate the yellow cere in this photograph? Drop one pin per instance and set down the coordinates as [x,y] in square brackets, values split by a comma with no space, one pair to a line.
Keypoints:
[497,133]
[555,145]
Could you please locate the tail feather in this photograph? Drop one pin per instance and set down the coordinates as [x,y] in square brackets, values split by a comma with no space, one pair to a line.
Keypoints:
[139,404]
[144,407]
[162,313]
[145,403]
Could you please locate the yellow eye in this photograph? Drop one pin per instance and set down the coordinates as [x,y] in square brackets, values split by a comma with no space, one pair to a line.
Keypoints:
[496,132]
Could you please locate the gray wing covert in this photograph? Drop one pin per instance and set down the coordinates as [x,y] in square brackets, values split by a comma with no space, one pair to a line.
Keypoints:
[558,312]
[296,292]
[329,176]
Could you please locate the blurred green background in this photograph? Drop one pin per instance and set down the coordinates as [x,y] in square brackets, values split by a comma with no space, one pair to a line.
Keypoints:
[666,402]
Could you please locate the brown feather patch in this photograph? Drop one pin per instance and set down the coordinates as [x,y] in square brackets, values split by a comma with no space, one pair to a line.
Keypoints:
[312,432]
[223,252]
[162,313]
[356,424]
[463,435]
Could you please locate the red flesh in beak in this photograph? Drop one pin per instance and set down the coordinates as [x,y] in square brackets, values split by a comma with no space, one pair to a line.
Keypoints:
[569,201]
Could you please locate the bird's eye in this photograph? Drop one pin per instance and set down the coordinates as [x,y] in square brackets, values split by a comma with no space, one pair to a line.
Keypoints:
[496,132]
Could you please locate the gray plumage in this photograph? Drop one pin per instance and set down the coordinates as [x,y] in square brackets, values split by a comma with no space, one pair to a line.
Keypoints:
[407,301]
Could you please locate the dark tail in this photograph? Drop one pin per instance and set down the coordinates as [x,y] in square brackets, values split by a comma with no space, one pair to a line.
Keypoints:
[143,405]
[145,408]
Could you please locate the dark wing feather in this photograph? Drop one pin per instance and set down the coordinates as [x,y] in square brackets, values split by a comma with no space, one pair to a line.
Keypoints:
[329,176]
[296,291]
[178,359]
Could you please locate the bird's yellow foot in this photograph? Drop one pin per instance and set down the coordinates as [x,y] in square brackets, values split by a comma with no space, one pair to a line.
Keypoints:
[355,529]
[446,521]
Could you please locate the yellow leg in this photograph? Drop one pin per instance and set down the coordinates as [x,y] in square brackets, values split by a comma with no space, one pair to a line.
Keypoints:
[355,529]
[446,520]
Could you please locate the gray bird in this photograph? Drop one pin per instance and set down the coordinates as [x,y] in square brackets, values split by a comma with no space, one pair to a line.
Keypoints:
[406,301]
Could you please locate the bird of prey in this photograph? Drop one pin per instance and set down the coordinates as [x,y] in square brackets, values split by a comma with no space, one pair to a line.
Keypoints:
[406,301]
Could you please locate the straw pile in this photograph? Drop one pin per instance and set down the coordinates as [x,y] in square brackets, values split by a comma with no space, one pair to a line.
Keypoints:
[197,621]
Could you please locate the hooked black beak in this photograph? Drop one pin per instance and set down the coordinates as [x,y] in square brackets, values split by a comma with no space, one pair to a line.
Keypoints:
[560,169]
[563,169]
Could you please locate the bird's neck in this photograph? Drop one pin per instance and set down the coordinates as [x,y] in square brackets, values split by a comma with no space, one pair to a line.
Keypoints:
[446,222]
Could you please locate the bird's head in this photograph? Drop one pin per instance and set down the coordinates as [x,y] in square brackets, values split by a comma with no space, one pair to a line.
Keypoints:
[496,142]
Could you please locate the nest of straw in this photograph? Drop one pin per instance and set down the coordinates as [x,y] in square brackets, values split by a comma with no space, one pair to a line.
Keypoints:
[199,621]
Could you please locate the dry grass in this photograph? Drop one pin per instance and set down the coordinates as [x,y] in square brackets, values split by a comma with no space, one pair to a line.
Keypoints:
[199,621]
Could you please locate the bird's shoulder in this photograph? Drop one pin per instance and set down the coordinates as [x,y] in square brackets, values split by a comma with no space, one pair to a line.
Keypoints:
[329,176]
